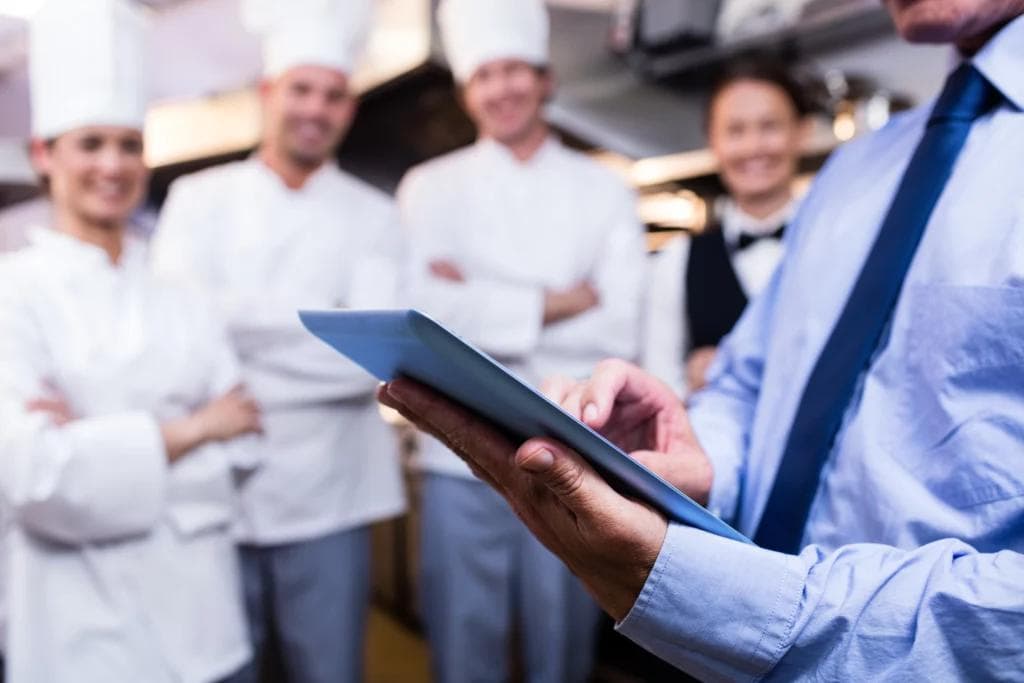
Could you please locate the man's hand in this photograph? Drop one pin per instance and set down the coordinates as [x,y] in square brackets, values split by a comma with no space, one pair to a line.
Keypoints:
[697,364]
[609,541]
[569,303]
[446,270]
[642,416]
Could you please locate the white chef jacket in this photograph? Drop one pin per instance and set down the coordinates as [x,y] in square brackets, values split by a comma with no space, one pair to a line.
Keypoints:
[516,229]
[264,251]
[666,329]
[121,567]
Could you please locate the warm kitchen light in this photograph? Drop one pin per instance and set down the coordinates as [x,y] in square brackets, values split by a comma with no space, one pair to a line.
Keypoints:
[680,209]
[844,126]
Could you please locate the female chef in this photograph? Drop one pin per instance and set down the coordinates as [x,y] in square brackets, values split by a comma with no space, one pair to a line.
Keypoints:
[700,285]
[118,397]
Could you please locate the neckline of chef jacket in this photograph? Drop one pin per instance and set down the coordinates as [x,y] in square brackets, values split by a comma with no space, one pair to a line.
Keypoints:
[316,180]
[1001,61]
[735,221]
[75,252]
[500,152]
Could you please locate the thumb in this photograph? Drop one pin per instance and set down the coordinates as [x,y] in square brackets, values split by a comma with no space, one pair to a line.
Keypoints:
[566,476]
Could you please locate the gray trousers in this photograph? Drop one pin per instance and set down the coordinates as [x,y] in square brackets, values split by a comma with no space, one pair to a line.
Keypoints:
[484,576]
[312,598]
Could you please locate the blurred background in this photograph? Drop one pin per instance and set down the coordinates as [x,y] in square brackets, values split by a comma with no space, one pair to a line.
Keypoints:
[631,75]
[632,78]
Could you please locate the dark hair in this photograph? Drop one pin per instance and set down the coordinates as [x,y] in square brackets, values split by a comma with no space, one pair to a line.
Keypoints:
[765,70]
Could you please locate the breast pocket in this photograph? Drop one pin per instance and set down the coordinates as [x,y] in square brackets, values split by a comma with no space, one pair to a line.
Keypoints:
[963,392]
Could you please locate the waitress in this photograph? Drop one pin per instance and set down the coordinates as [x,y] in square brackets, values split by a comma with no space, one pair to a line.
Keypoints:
[118,400]
[756,126]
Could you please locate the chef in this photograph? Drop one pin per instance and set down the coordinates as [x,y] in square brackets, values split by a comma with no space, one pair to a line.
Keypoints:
[533,253]
[119,400]
[283,230]
[700,285]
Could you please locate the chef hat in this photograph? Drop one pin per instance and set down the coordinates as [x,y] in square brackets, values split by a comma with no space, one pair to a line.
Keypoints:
[329,33]
[475,32]
[86,66]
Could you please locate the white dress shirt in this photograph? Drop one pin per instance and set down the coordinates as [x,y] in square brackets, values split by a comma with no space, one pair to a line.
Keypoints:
[666,328]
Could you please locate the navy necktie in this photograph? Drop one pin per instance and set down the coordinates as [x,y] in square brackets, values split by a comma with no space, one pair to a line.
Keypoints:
[966,96]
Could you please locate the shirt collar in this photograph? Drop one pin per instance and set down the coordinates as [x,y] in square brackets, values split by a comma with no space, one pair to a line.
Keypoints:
[735,221]
[73,251]
[315,180]
[498,151]
[1001,60]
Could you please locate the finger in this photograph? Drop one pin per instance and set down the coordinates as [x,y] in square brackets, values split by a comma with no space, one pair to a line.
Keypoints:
[485,477]
[389,401]
[652,460]
[55,406]
[469,436]
[236,390]
[57,411]
[571,402]
[598,395]
[256,424]
[616,381]
[557,387]
[568,477]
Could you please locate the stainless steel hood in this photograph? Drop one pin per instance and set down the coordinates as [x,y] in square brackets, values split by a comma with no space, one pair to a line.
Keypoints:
[601,100]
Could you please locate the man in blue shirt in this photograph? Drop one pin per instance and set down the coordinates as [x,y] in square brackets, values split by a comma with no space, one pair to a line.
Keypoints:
[864,424]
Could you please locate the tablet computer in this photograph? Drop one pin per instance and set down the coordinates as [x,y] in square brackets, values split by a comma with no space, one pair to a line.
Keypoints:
[389,344]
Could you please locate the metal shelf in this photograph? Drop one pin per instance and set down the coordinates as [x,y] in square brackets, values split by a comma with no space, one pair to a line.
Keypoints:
[839,27]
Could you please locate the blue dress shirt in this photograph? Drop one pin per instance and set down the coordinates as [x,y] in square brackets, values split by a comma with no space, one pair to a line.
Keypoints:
[912,566]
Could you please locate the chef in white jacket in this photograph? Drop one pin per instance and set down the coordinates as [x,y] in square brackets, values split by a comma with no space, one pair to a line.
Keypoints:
[118,397]
[534,253]
[283,230]
[756,126]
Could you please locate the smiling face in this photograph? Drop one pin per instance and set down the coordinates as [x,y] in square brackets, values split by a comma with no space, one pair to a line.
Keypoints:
[97,173]
[307,110]
[505,98]
[966,23]
[756,134]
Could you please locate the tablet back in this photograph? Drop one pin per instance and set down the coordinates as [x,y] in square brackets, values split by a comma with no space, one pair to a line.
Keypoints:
[389,344]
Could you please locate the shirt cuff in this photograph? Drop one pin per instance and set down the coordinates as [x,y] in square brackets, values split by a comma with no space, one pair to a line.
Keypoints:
[715,608]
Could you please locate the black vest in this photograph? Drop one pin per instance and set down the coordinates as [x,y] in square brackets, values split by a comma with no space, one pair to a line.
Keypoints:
[714,297]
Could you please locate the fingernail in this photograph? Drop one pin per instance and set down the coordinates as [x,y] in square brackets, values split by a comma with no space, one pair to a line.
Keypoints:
[539,461]
[590,413]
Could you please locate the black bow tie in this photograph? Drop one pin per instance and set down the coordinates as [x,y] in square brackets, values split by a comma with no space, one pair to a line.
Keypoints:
[747,239]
